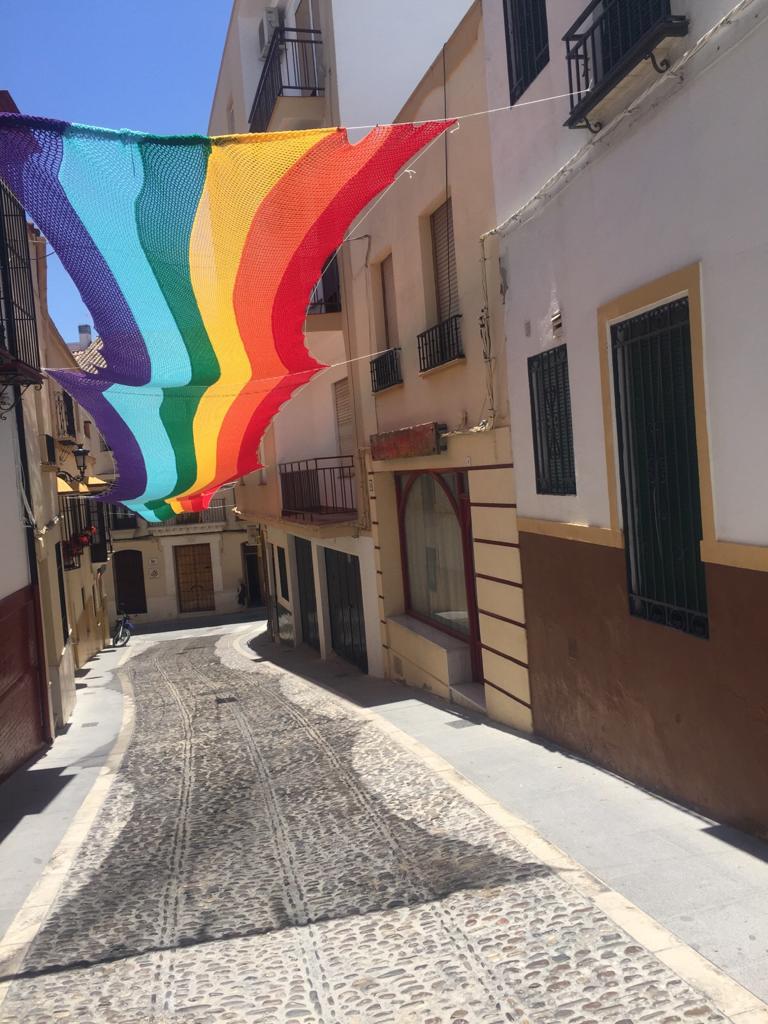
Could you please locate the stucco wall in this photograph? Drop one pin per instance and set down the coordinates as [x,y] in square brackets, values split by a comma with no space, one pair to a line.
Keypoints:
[685,184]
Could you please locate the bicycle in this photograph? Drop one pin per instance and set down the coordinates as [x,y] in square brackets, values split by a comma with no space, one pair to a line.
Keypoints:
[123,630]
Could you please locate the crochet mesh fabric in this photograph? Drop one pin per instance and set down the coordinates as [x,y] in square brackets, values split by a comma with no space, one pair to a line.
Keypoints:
[196,257]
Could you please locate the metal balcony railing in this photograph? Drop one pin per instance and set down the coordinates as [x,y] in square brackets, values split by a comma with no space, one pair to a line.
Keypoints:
[319,489]
[19,352]
[326,295]
[293,67]
[607,41]
[441,344]
[121,518]
[214,514]
[385,370]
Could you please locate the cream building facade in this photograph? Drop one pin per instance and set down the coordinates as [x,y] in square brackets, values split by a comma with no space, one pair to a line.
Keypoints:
[427,305]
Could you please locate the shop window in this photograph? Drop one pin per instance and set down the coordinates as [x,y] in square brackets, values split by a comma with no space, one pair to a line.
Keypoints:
[436,547]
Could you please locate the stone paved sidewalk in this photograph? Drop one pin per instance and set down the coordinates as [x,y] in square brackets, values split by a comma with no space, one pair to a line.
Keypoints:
[267,854]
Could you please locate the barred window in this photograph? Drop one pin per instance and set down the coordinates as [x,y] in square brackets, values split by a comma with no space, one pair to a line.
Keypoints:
[551,417]
[527,43]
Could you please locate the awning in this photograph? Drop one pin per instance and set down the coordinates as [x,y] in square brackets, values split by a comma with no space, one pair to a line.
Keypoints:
[66,487]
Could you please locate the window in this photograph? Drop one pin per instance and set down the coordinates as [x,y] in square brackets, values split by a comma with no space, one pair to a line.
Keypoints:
[527,43]
[435,539]
[658,465]
[551,416]
[62,593]
[444,257]
[345,420]
[282,569]
[389,309]
[18,324]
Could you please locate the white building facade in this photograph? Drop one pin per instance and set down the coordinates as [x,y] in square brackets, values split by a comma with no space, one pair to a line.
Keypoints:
[635,250]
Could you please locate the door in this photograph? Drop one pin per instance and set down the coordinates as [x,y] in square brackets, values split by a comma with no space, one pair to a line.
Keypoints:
[658,463]
[194,577]
[130,595]
[345,600]
[21,709]
[307,598]
[251,570]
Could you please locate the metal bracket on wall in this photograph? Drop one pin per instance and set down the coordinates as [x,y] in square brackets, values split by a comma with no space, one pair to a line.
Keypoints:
[592,128]
[660,67]
[10,396]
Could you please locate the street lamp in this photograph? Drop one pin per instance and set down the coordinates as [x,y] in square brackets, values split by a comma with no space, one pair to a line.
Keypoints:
[81,454]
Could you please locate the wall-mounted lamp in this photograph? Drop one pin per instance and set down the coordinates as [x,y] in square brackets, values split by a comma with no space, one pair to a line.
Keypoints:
[81,454]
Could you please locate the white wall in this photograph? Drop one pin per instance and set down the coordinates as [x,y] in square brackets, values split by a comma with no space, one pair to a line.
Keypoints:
[383,47]
[685,184]
[14,573]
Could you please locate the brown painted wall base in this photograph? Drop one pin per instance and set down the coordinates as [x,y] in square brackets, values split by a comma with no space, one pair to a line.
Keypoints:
[685,717]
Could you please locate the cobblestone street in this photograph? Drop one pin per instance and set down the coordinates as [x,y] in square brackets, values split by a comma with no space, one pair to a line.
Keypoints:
[267,854]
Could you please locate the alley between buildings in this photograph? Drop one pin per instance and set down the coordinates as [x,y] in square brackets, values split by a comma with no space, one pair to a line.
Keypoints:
[268,852]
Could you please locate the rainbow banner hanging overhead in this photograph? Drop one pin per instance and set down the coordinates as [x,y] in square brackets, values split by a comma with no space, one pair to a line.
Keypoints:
[196,257]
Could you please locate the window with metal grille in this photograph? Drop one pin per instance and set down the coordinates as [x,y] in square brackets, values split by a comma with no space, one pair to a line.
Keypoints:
[552,428]
[62,592]
[527,43]
[656,428]
[18,326]
[444,256]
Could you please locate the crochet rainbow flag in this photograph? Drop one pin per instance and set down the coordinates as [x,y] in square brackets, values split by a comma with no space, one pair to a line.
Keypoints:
[196,257]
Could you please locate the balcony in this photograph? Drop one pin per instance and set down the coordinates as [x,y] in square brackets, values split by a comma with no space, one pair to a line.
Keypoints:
[319,490]
[19,353]
[214,514]
[441,344]
[326,295]
[121,518]
[385,370]
[605,51]
[291,84]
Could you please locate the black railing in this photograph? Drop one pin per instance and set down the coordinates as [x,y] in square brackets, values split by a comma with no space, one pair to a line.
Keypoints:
[326,295]
[101,535]
[321,488]
[441,344]
[385,370]
[214,514]
[610,38]
[19,352]
[293,67]
[65,415]
[121,518]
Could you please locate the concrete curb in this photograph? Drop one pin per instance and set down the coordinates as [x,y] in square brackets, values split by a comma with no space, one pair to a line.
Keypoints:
[733,1000]
[22,931]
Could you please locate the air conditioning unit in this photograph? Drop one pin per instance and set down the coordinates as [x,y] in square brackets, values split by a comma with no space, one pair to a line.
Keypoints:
[269,24]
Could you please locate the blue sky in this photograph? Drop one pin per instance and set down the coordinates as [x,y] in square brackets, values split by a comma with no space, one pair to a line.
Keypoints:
[150,65]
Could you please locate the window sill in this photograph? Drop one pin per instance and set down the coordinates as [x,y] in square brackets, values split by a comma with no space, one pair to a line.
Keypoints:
[442,366]
[391,387]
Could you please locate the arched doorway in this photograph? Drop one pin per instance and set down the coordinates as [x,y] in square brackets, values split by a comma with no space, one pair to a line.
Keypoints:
[130,595]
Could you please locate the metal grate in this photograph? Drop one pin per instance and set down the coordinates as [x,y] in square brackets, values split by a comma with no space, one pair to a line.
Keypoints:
[18,326]
[552,427]
[527,43]
[441,344]
[609,38]
[385,370]
[319,489]
[326,295]
[293,67]
[120,518]
[656,426]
